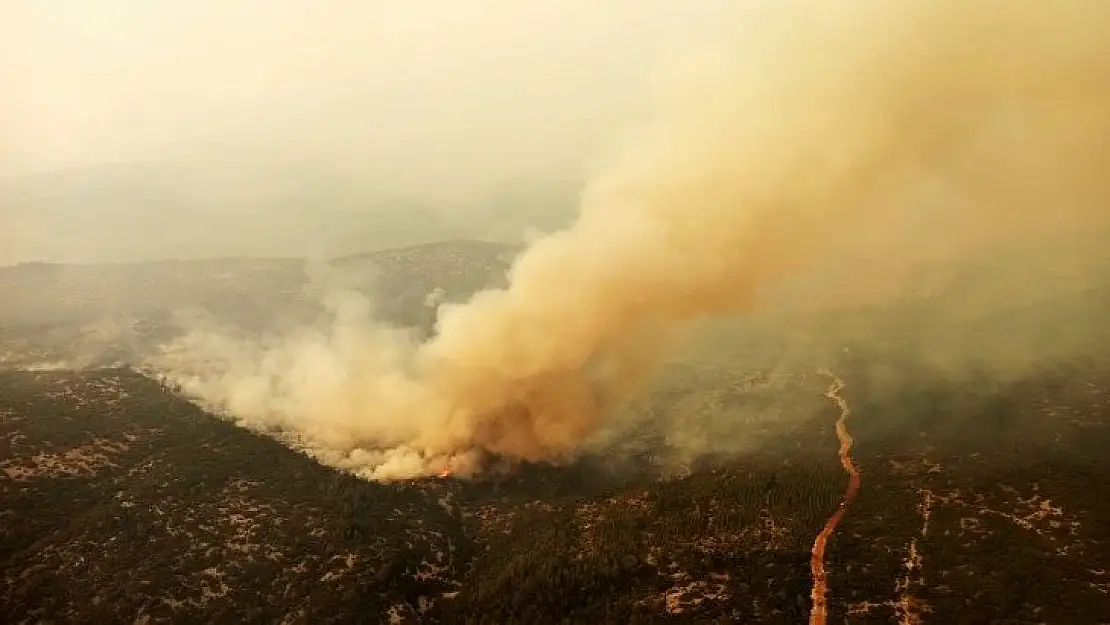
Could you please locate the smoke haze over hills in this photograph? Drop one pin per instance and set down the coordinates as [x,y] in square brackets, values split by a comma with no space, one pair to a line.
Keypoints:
[815,136]
[299,129]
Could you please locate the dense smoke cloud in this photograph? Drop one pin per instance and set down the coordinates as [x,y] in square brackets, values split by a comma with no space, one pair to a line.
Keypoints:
[896,131]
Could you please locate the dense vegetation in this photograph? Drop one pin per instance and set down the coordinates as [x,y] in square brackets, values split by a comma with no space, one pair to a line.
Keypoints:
[984,496]
[121,500]
[166,512]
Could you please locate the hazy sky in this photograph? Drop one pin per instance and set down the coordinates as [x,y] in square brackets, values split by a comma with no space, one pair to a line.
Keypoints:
[442,98]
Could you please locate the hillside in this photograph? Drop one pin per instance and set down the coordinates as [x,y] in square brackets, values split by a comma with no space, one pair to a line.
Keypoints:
[112,313]
[122,502]
[981,493]
[975,503]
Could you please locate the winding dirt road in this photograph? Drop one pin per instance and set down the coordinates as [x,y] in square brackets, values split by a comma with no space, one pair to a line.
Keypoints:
[818,612]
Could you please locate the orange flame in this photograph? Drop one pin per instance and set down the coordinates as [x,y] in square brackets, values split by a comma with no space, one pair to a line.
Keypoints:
[446,471]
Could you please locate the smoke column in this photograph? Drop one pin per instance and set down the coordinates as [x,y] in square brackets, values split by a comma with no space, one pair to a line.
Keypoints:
[819,125]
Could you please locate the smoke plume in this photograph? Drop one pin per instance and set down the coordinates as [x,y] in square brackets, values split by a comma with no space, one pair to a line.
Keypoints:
[821,131]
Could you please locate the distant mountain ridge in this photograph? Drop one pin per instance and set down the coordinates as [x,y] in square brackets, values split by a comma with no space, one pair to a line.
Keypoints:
[61,307]
[131,212]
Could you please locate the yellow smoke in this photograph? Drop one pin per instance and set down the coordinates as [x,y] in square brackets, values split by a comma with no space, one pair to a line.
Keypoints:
[819,131]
